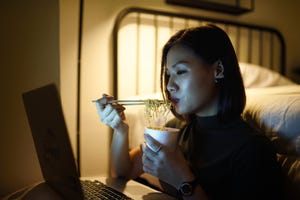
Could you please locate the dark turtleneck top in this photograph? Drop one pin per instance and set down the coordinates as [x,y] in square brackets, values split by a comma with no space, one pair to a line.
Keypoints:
[231,160]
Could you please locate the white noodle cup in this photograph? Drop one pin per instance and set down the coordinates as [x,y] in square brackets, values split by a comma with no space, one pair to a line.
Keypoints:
[166,136]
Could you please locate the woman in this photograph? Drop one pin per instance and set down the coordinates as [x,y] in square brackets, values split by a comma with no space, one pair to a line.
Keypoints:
[218,155]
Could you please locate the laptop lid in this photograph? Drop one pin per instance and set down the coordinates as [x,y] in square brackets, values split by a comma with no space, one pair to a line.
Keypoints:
[51,139]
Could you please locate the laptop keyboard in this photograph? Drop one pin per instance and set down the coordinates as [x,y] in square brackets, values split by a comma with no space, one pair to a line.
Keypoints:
[96,190]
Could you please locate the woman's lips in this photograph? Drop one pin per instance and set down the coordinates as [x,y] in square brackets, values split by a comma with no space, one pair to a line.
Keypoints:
[174,100]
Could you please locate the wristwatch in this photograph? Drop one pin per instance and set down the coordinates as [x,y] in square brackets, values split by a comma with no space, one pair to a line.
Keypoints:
[187,188]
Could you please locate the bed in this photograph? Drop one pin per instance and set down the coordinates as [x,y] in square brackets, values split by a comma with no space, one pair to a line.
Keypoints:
[273,101]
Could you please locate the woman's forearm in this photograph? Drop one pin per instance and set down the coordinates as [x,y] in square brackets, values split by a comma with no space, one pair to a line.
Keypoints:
[120,159]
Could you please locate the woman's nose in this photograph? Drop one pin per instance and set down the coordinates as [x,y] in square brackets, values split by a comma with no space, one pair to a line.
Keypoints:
[171,87]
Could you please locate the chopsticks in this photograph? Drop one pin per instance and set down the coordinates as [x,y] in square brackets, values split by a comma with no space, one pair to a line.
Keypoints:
[131,102]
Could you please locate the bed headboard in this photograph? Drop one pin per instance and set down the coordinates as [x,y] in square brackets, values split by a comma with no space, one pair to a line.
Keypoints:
[139,35]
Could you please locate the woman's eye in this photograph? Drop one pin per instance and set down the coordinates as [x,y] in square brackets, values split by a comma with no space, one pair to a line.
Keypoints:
[181,72]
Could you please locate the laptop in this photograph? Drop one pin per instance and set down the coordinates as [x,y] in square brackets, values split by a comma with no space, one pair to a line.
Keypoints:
[54,151]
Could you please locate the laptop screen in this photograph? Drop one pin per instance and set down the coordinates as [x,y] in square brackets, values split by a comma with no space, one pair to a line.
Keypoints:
[51,139]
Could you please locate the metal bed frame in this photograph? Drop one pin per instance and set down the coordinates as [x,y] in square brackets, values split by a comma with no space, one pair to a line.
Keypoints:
[249,40]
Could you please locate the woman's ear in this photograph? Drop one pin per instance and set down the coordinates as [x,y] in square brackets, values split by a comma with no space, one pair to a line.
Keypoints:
[219,70]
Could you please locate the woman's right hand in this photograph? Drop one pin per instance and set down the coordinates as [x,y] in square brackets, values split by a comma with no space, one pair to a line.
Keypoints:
[111,114]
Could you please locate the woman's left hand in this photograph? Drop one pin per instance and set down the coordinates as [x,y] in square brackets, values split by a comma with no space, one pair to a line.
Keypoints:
[169,166]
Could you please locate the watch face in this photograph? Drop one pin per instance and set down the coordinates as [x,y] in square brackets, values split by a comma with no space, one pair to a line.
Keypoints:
[186,189]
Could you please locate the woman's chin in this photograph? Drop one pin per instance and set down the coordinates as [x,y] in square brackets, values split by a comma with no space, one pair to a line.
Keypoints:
[181,112]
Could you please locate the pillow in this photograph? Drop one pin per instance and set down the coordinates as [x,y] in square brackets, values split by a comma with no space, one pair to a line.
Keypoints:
[276,112]
[255,76]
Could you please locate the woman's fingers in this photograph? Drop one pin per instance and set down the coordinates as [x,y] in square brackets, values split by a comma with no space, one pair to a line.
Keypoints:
[110,114]
[147,159]
[152,143]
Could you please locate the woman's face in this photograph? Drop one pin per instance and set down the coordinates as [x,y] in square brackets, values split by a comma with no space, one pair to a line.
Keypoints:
[191,83]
